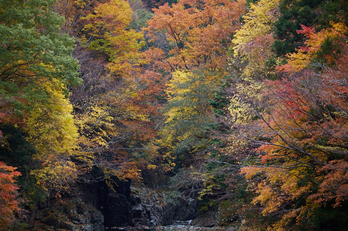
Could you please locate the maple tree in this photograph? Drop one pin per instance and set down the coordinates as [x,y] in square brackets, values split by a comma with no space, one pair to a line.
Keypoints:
[313,47]
[188,52]
[290,129]
[8,193]
[298,132]
[154,100]
[198,32]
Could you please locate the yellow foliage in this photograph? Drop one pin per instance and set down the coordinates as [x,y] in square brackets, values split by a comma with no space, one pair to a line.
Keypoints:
[151,166]
[109,26]
[252,42]
[247,91]
[80,3]
[282,185]
[57,174]
[51,127]
[182,83]
[179,77]
[97,122]
[258,22]
[51,130]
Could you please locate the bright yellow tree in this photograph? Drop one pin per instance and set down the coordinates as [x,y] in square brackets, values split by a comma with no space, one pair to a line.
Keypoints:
[107,28]
[252,42]
[51,130]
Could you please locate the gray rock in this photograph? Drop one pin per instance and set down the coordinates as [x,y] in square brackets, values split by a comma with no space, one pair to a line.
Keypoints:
[73,215]
[165,207]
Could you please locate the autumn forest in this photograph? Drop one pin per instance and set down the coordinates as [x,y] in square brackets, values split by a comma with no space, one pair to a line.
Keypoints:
[241,103]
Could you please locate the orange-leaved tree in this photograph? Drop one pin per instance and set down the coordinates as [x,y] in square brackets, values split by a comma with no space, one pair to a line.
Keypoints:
[314,48]
[198,32]
[190,40]
[301,134]
[8,192]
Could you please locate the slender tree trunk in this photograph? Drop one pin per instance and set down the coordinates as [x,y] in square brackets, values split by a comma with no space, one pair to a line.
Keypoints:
[32,218]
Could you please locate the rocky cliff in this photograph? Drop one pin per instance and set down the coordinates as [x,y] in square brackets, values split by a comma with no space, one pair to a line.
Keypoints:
[96,207]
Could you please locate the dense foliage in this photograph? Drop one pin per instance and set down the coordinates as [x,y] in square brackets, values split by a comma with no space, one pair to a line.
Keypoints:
[240,103]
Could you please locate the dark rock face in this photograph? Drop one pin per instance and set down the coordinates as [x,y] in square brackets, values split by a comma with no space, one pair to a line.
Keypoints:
[73,214]
[115,204]
[186,209]
[118,213]
[142,208]
[165,208]
[97,207]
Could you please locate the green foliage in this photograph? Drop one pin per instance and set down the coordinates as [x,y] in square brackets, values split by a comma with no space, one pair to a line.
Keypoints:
[251,1]
[31,191]
[15,150]
[226,212]
[219,101]
[328,218]
[332,11]
[20,227]
[171,197]
[32,48]
[329,48]
[116,118]
[316,13]
[188,113]
[293,15]
[36,69]
[156,3]
[140,19]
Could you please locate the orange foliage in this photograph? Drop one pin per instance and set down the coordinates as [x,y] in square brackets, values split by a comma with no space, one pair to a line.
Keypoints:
[305,55]
[302,151]
[199,31]
[197,34]
[335,184]
[8,192]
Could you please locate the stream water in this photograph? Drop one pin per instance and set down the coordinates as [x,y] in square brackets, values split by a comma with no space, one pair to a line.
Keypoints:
[177,226]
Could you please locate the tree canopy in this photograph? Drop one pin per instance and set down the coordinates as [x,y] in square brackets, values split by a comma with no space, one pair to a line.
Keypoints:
[244,101]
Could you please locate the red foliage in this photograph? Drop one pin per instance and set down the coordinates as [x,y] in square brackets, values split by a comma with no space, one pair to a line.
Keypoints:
[335,184]
[8,192]
[305,131]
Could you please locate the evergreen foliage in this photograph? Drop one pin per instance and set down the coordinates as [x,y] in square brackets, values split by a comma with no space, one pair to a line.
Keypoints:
[33,51]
